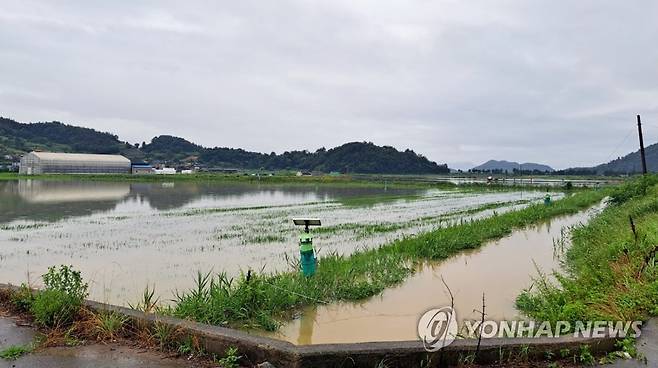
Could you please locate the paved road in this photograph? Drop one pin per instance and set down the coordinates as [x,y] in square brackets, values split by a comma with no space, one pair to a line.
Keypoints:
[647,345]
[89,356]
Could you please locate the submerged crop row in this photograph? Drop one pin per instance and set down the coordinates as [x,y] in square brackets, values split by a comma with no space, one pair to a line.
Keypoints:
[256,300]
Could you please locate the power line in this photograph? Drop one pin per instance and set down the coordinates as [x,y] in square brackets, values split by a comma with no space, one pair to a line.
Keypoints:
[616,149]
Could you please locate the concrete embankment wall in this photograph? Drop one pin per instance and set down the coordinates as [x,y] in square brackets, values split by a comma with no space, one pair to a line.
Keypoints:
[395,354]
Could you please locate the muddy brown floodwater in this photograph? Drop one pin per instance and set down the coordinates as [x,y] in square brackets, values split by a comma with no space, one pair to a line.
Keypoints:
[500,270]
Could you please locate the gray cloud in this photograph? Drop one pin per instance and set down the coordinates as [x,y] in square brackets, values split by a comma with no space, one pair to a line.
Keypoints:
[549,81]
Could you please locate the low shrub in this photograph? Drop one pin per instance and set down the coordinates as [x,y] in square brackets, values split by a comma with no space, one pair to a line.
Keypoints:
[23,298]
[61,299]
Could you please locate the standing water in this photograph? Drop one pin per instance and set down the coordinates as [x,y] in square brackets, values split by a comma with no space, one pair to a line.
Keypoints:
[125,236]
[500,270]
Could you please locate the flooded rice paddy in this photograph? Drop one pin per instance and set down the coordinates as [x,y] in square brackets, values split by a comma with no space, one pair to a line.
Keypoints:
[124,236]
[500,269]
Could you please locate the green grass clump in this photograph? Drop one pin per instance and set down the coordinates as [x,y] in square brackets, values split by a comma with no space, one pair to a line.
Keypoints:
[610,271]
[110,324]
[255,300]
[260,300]
[14,352]
[633,189]
[63,295]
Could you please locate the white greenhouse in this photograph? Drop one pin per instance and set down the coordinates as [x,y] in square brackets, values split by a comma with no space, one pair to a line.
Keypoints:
[73,163]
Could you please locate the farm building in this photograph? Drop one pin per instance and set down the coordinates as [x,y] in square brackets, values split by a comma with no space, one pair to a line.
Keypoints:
[142,169]
[73,163]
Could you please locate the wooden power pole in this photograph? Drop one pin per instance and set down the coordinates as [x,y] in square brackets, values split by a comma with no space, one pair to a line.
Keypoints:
[644,159]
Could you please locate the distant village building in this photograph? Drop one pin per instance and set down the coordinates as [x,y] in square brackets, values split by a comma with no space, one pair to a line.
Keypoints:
[165,171]
[73,163]
[142,168]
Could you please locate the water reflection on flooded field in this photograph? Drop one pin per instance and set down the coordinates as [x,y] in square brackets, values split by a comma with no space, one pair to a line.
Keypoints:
[124,236]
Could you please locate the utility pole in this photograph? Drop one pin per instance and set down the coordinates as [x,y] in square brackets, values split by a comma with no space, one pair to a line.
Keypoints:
[644,160]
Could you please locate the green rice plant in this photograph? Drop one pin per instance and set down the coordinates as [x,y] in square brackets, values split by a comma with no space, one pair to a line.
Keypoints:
[256,300]
[23,227]
[263,238]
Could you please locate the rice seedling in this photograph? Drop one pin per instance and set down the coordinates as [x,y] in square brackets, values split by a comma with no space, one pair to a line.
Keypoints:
[250,230]
[22,227]
[257,300]
[263,238]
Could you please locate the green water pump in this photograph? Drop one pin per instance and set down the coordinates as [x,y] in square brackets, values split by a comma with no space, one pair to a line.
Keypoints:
[306,252]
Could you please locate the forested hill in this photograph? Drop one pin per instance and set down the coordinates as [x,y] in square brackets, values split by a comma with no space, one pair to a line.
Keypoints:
[54,136]
[631,163]
[356,157]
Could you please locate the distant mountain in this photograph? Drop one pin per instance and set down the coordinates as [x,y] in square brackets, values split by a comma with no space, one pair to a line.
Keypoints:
[631,163]
[510,166]
[355,157]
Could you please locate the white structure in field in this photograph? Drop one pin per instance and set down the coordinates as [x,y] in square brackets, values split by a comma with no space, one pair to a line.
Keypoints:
[165,171]
[73,163]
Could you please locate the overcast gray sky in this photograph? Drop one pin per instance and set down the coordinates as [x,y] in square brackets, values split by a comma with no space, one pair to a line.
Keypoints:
[557,82]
